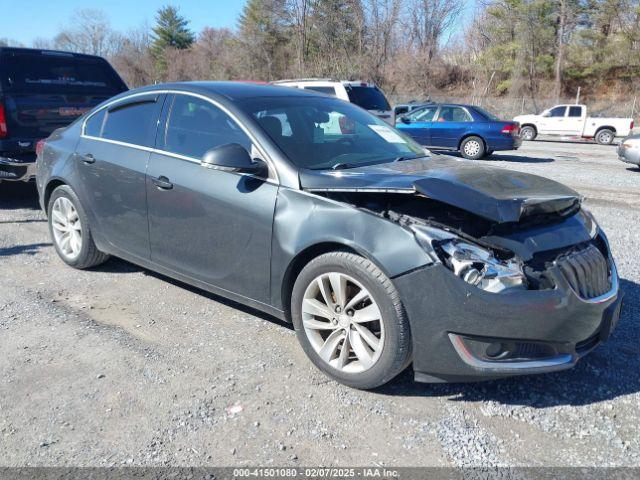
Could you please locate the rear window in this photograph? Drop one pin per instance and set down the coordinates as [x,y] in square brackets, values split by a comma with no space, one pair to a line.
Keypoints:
[57,73]
[325,90]
[369,98]
[133,123]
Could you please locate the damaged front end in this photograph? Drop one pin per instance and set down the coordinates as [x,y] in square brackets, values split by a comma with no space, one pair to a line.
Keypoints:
[500,299]
[493,256]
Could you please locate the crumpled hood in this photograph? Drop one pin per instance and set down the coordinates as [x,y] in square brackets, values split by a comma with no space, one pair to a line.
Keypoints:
[493,193]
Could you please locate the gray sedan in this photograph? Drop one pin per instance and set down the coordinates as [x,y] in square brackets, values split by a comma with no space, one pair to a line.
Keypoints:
[317,212]
[629,150]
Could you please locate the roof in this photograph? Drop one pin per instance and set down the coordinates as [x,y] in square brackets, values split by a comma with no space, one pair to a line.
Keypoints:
[230,90]
[45,51]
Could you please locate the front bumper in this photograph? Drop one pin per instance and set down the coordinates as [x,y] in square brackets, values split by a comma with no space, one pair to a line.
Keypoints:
[447,327]
[18,169]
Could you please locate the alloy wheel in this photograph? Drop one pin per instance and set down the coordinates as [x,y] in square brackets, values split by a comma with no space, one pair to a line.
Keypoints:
[343,322]
[67,229]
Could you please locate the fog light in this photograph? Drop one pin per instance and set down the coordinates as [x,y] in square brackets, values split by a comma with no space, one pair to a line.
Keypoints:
[494,350]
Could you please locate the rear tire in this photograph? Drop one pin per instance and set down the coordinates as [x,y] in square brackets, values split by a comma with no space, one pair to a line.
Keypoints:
[472,148]
[605,136]
[322,311]
[70,231]
[528,133]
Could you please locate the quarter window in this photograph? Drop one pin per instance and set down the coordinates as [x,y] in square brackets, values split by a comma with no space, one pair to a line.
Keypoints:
[93,127]
[133,123]
[195,126]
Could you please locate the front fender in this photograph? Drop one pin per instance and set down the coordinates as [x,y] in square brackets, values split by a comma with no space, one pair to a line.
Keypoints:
[303,220]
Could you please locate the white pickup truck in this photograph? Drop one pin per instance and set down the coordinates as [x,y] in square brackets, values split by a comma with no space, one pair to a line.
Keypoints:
[572,121]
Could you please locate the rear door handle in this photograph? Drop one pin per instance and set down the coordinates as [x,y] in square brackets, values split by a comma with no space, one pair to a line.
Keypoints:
[88,158]
[163,183]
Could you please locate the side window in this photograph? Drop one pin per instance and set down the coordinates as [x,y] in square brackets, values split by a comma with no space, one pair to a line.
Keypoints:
[558,112]
[133,123]
[575,111]
[326,90]
[195,126]
[93,127]
[453,114]
[423,114]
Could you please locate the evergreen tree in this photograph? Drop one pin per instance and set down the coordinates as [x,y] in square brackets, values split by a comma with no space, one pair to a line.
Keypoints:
[171,31]
[264,33]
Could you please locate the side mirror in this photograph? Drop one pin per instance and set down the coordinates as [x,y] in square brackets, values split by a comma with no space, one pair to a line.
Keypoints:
[406,120]
[231,157]
[546,114]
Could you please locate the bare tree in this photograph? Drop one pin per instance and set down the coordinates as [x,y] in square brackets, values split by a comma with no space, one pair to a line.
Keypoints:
[90,33]
[428,22]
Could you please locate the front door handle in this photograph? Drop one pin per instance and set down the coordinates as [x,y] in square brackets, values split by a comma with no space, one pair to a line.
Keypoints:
[162,183]
[88,158]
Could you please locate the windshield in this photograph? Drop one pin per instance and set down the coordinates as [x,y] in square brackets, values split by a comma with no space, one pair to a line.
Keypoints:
[324,133]
[35,72]
[369,98]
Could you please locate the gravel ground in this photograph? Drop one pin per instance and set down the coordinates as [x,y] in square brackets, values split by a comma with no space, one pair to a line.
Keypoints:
[121,366]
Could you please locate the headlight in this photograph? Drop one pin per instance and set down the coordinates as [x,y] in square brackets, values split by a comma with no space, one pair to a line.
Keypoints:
[474,264]
[479,267]
[592,225]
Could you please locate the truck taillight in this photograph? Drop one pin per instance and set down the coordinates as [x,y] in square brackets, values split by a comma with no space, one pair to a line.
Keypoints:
[40,147]
[511,129]
[632,125]
[3,122]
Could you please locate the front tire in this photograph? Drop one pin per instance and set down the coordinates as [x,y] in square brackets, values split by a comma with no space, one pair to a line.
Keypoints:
[70,231]
[472,148]
[605,136]
[350,321]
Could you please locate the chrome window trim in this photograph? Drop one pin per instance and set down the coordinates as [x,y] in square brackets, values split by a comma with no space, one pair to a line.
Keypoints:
[273,172]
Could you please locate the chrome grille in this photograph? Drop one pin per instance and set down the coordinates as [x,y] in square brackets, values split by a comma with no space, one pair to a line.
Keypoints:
[587,271]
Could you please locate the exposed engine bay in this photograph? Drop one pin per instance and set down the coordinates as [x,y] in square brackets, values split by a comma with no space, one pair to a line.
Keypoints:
[495,256]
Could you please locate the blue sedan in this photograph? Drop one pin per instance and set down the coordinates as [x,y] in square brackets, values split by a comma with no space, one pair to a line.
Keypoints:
[470,130]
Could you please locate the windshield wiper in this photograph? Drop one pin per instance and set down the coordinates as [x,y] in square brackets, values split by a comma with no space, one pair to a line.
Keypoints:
[341,166]
[402,159]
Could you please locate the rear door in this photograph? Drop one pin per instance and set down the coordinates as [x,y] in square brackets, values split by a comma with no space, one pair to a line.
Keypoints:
[418,124]
[42,90]
[574,121]
[451,123]
[111,160]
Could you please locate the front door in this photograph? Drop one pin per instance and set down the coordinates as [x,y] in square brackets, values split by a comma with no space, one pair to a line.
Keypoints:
[418,123]
[210,225]
[111,159]
[553,122]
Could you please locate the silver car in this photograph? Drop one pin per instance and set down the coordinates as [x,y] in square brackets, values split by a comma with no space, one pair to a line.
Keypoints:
[629,150]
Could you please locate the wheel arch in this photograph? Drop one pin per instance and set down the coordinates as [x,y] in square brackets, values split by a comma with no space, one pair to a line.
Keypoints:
[532,125]
[605,127]
[300,260]
[48,190]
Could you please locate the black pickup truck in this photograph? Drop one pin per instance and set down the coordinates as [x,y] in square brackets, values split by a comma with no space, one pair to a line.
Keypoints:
[40,91]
